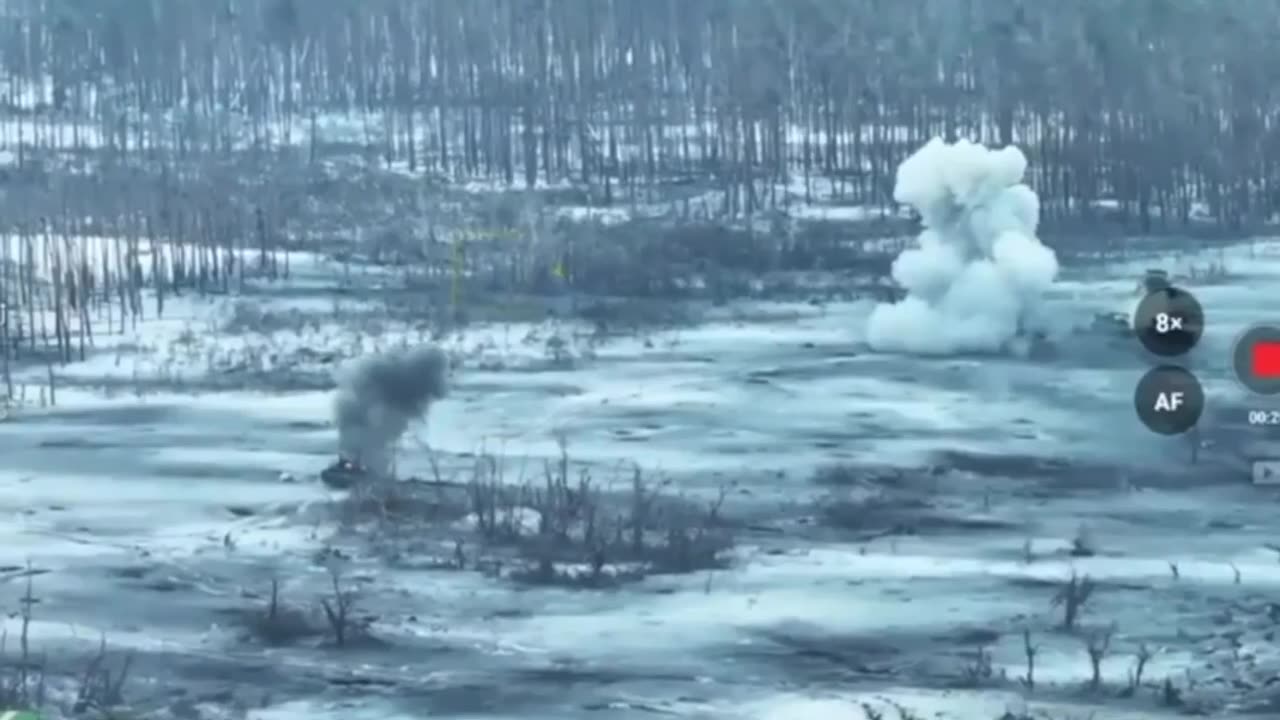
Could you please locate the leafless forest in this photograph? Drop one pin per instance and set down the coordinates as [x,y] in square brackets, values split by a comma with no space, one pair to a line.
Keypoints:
[207,128]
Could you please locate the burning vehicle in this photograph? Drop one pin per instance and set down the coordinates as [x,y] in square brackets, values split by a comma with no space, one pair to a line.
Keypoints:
[343,474]
[377,399]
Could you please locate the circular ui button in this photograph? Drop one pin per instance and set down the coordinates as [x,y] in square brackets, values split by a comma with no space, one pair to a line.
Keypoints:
[1257,359]
[1169,322]
[1169,400]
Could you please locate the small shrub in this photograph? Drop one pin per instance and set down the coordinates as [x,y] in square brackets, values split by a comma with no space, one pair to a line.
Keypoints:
[1097,644]
[279,624]
[979,671]
[563,528]
[1139,667]
[250,318]
[1072,598]
[639,532]
[22,680]
[100,688]
[905,713]
[339,609]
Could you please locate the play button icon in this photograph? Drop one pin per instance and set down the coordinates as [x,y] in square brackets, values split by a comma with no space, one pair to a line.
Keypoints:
[1266,472]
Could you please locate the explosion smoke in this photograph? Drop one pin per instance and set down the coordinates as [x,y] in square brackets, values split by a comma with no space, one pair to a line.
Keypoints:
[975,281]
[378,397]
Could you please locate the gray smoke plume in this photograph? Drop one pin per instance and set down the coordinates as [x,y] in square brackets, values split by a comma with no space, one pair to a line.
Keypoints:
[379,396]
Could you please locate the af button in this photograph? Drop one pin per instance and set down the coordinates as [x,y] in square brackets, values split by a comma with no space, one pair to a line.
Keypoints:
[1169,400]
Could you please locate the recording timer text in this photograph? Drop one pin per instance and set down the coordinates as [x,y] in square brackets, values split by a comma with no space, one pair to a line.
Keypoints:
[1264,417]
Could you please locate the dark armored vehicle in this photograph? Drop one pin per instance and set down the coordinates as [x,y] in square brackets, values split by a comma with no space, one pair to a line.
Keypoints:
[343,474]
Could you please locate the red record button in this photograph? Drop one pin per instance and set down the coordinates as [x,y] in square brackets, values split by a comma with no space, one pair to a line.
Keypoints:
[1265,358]
[1257,359]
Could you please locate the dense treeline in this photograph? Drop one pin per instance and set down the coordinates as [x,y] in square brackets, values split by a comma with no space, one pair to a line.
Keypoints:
[181,144]
[1141,109]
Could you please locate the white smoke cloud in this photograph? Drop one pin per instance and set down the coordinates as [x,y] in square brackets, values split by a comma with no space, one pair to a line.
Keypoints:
[975,279]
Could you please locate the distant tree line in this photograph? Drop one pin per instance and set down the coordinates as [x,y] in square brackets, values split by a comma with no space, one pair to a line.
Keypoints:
[1143,113]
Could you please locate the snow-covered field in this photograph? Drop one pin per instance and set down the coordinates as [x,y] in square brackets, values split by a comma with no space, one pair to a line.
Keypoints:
[174,479]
